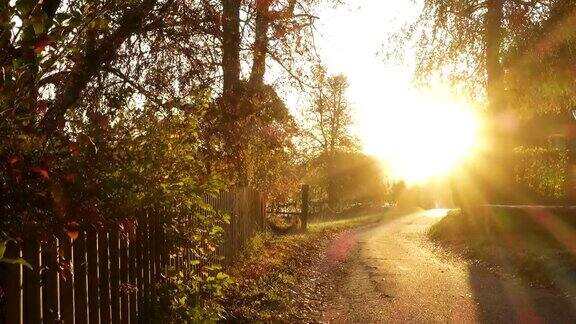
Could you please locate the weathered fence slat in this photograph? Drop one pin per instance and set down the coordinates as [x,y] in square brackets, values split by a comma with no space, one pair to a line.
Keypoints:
[50,307]
[132,273]
[92,272]
[139,271]
[32,299]
[114,275]
[145,266]
[104,277]
[66,281]
[13,285]
[80,289]
[152,253]
[124,307]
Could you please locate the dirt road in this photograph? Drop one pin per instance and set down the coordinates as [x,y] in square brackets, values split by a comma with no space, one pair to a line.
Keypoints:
[396,275]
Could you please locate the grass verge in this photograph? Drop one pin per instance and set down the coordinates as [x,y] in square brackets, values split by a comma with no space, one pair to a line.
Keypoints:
[512,243]
[267,275]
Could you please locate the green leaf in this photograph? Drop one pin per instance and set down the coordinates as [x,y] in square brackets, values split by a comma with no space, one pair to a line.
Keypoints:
[221,276]
[38,27]
[39,23]
[17,261]
[3,248]
[24,6]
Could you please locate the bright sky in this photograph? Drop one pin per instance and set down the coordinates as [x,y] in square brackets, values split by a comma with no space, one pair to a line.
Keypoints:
[413,131]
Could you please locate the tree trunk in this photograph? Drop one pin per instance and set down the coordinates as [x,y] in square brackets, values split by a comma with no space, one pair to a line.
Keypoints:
[88,66]
[498,172]
[231,83]
[331,189]
[231,53]
[494,71]
[260,46]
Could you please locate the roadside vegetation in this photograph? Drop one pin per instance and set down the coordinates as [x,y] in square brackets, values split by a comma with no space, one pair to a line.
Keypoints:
[272,278]
[534,246]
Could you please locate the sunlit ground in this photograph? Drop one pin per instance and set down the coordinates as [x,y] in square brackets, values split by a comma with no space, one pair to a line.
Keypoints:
[437,213]
[422,136]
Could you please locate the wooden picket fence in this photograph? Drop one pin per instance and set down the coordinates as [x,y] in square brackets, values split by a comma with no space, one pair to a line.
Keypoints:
[114,271]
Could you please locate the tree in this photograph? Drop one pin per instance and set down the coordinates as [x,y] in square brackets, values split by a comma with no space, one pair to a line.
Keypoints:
[541,87]
[359,179]
[465,41]
[539,62]
[329,117]
[231,53]
[265,140]
[469,43]
[274,23]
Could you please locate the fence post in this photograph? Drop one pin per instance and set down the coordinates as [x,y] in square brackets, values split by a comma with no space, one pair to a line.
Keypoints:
[304,212]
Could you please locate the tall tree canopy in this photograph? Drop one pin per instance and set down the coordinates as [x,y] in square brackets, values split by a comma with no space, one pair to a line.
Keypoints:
[79,68]
[464,41]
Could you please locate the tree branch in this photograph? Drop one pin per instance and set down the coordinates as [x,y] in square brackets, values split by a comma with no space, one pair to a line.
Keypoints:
[136,86]
[91,64]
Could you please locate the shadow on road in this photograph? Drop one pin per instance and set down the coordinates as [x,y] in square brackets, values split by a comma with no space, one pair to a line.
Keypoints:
[504,300]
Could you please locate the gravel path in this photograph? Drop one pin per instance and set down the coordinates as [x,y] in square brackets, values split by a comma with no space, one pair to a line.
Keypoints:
[393,274]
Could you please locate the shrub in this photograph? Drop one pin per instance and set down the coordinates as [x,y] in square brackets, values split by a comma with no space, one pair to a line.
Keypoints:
[542,171]
[111,172]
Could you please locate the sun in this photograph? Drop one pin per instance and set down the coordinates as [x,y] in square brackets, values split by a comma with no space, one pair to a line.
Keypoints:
[423,135]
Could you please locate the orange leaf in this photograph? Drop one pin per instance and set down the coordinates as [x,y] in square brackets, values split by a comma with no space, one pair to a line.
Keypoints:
[41,171]
[72,230]
[41,45]
[73,235]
